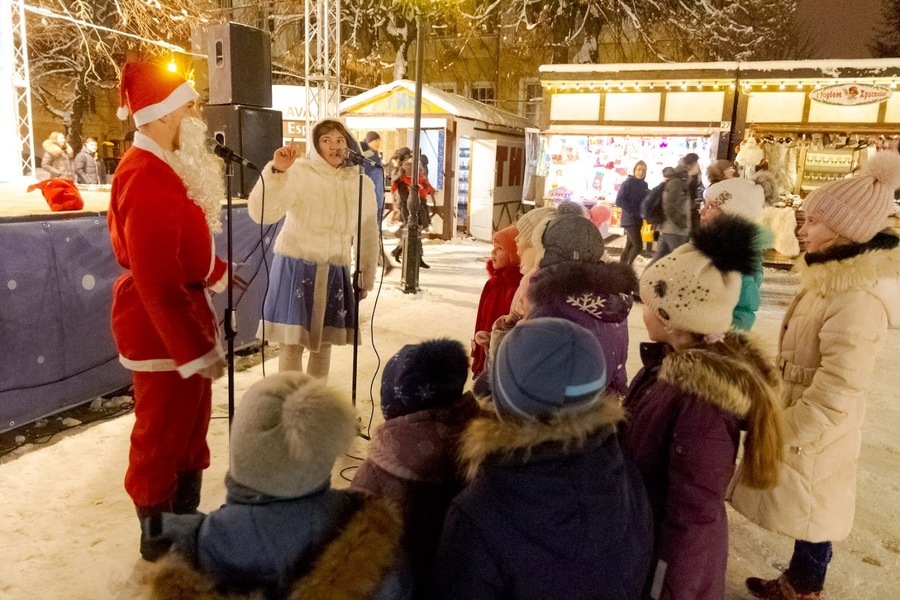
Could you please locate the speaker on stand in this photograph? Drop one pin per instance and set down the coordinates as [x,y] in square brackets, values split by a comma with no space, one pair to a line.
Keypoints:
[239,116]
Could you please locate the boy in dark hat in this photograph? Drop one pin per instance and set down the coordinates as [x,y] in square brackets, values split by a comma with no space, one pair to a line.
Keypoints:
[552,510]
[412,457]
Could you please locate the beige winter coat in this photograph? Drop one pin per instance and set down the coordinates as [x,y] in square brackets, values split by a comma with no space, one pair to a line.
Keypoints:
[830,338]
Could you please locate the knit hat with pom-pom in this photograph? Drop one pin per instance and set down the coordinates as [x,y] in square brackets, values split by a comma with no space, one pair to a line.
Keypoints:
[528,222]
[423,377]
[288,430]
[696,287]
[857,208]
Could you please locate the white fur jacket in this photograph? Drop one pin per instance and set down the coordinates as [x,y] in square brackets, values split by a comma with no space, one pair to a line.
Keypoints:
[319,204]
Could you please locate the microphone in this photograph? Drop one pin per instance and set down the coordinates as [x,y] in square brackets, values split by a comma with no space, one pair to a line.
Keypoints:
[227,154]
[352,157]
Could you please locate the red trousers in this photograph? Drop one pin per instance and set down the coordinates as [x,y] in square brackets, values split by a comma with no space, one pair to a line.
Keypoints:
[169,436]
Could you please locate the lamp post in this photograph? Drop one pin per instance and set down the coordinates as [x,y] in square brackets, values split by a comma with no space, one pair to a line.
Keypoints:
[412,236]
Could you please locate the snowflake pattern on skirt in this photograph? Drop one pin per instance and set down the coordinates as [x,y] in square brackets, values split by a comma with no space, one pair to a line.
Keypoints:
[292,294]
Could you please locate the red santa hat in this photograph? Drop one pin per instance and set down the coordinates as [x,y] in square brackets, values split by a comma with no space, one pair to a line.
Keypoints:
[149,91]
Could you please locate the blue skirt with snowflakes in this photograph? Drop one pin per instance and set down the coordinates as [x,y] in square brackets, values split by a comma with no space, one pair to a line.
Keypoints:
[308,304]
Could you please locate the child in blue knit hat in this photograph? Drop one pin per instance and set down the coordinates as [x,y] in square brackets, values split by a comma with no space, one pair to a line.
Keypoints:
[552,510]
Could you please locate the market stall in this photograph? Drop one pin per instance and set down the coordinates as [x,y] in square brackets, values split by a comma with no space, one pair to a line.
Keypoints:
[604,118]
[808,122]
[475,153]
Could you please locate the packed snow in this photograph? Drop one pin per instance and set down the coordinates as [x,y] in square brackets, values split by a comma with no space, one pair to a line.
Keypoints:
[68,529]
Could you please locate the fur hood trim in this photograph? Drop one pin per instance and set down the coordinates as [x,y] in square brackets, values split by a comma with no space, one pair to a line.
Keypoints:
[488,435]
[54,150]
[729,374]
[863,270]
[556,282]
[367,547]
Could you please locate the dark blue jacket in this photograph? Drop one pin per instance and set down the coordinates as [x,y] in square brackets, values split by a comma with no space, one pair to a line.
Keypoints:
[257,542]
[554,511]
[629,198]
[375,173]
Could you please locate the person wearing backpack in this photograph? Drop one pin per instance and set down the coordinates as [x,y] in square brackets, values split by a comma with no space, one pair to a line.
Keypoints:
[629,199]
[676,208]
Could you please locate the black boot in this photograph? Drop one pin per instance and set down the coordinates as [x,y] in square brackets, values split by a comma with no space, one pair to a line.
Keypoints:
[153,546]
[187,493]
[423,264]
[397,253]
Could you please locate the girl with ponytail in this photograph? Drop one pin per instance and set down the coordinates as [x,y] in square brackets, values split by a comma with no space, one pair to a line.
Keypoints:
[702,383]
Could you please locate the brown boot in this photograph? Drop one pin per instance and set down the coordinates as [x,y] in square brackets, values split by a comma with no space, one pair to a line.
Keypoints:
[153,546]
[778,589]
[187,493]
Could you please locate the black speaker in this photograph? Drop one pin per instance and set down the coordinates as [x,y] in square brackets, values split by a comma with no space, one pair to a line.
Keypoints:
[240,65]
[254,133]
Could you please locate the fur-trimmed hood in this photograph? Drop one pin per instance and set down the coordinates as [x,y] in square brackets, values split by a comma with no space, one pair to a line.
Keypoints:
[517,442]
[601,290]
[367,547]
[729,379]
[54,149]
[876,269]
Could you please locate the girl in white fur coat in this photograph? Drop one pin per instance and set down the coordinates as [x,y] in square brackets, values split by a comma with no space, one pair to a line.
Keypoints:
[311,299]
[849,296]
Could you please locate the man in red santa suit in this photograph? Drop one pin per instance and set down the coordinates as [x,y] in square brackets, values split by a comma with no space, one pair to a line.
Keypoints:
[165,206]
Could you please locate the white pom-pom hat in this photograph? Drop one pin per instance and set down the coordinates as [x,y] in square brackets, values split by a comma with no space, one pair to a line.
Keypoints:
[288,430]
[857,208]
[149,91]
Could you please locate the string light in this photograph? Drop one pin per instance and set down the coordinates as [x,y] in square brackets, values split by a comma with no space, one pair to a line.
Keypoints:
[683,85]
[668,87]
[893,85]
[782,86]
[172,67]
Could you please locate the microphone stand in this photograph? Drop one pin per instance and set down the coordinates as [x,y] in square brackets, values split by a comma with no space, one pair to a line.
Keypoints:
[230,317]
[356,156]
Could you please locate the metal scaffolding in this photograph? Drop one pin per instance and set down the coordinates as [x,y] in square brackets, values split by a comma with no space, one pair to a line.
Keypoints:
[322,73]
[15,85]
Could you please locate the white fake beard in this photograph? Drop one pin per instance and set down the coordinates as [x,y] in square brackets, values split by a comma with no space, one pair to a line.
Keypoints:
[201,171]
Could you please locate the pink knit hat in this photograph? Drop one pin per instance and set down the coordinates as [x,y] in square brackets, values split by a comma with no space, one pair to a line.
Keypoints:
[857,208]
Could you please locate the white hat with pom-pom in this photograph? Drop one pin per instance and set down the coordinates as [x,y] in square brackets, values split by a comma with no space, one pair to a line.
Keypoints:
[149,91]
[857,208]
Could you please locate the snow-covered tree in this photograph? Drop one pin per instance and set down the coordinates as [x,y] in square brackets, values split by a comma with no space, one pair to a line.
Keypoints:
[70,62]
[887,45]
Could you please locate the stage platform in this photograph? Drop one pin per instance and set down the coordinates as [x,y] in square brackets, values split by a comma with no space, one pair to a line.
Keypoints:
[56,276]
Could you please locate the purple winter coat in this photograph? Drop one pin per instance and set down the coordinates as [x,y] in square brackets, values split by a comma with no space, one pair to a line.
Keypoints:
[684,414]
[412,463]
[596,296]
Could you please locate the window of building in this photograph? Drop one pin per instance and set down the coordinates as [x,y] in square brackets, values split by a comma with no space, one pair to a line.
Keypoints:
[445,87]
[531,99]
[483,92]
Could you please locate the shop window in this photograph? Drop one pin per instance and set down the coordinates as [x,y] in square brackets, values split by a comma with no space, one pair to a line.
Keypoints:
[482,92]
[531,98]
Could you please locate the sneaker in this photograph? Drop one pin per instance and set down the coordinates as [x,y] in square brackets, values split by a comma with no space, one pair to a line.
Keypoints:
[778,589]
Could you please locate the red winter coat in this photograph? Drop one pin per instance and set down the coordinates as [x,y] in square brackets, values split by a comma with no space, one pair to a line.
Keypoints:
[496,300]
[162,319]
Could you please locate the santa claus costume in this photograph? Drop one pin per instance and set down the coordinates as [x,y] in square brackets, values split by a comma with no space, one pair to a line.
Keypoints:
[162,319]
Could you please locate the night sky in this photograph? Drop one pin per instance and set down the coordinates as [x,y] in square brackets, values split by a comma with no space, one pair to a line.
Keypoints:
[842,29]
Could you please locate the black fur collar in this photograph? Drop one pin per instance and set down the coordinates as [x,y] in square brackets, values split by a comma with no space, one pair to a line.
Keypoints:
[882,241]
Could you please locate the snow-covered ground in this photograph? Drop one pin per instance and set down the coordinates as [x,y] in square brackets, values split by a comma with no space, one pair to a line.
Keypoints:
[68,530]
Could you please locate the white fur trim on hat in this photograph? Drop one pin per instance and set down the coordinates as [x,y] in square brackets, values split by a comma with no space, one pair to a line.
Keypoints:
[122,113]
[179,96]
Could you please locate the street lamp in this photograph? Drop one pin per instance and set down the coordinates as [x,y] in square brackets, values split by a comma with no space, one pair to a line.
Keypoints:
[412,236]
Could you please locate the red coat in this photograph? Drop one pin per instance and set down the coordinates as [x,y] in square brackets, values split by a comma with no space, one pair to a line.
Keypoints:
[162,319]
[496,300]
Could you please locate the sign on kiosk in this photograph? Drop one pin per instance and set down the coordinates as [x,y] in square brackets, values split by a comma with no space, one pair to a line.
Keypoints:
[850,94]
